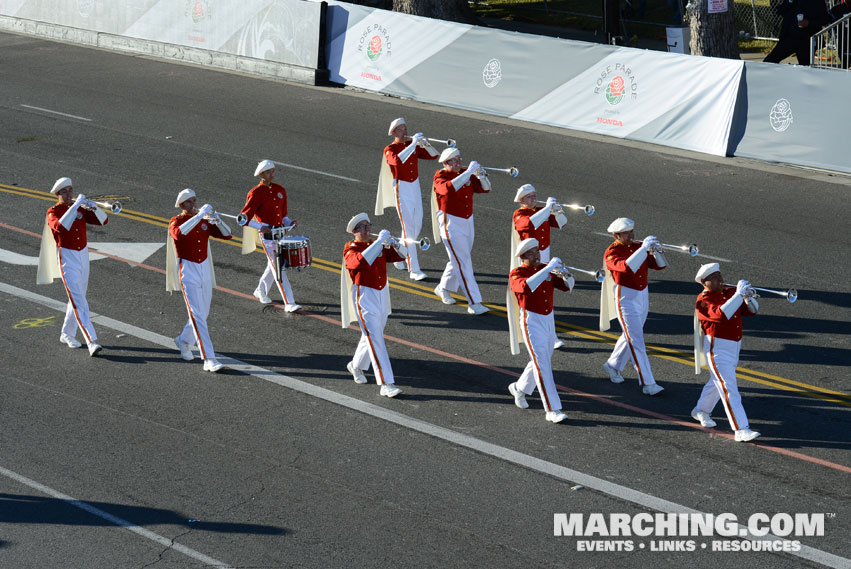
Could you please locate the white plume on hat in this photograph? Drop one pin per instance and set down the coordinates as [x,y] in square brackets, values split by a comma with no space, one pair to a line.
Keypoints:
[353,222]
[183,196]
[394,124]
[448,154]
[60,184]
[524,191]
[263,166]
[706,270]
[621,224]
[526,245]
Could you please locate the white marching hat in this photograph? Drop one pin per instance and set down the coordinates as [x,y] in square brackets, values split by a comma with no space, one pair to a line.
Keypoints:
[183,196]
[60,184]
[448,154]
[621,224]
[524,191]
[526,245]
[706,270]
[263,166]
[353,222]
[394,124]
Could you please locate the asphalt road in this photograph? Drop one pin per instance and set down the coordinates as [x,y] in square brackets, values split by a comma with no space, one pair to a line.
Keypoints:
[138,459]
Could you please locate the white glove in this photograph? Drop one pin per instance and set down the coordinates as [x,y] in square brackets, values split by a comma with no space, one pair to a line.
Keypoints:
[383,236]
[206,209]
[554,263]
[743,287]
[551,202]
[473,167]
[80,199]
[649,242]
[417,138]
[570,282]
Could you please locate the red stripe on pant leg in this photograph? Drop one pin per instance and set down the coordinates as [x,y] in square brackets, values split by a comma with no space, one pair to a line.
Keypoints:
[457,264]
[628,339]
[368,339]
[402,222]
[726,398]
[275,273]
[71,299]
[189,310]
[539,379]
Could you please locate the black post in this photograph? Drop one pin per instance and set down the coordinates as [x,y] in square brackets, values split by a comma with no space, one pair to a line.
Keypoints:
[611,21]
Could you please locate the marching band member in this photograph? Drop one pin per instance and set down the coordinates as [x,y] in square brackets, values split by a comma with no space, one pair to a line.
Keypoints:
[266,209]
[452,206]
[533,221]
[365,297]
[65,254]
[531,310]
[399,186]
[717,342]
[189,268]
[624,295]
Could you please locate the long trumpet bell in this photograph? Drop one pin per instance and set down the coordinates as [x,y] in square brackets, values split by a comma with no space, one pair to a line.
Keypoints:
[588,209]
[599,275]
[424,244]
[791,295]
[241,219]
[449,142]
[691,249]
[513,172]
[114,207]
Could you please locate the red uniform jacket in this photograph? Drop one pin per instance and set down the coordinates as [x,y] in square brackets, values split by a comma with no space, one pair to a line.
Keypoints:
[615,259]
[456,202]
[540,301]
[267,203]
[712,318]
[405,171]
[193,245]
[76,237]
[523,225]
[373,276]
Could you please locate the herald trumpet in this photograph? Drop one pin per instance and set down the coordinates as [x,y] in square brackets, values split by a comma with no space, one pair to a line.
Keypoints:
[449,142]
[692,249]
[513,172]
[114,207]
[559,207]
[791,294]
[424,244]
[599,275]
[241,218]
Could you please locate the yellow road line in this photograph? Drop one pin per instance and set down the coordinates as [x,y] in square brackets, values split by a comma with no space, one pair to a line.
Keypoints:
[426,291]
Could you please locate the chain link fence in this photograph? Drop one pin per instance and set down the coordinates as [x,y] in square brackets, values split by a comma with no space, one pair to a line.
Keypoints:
[757,20]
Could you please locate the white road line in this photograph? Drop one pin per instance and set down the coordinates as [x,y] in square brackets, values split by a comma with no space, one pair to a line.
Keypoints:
[57,113]
[636,497]
[147,534]
[320,172]
[710,257]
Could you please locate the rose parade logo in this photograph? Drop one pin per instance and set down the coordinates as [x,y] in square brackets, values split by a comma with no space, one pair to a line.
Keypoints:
[492,73]
[780,116]
[375,42]
[197,10]
[614,92]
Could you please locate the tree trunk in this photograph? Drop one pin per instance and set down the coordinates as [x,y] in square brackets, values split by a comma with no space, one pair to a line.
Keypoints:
[713,35]
[452,10]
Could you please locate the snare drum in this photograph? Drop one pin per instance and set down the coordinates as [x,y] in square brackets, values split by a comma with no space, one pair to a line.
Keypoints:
[294,252]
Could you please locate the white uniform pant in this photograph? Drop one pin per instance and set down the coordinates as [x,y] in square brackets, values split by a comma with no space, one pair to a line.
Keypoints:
[458,235]
[269,275]
[197,289]
[723,357]
[74,266]
[372,307]
[409,206]
[632,309]
[539,335]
